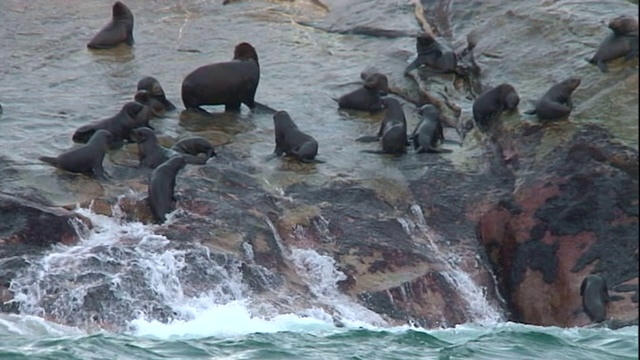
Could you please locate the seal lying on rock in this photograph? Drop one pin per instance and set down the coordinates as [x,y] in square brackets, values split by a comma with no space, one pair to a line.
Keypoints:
[556,102]
[158,101]
[429,132]
[369,96]
[151,154]
[119,125]
[228,83]
[438,57]
[595,296]
[162,184]
[622,42]
[118,30]
[490,104]
[86,158]
[393,129]
[291,141]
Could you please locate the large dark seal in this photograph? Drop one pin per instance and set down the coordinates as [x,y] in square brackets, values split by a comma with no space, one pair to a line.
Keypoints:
[437,57]
[118,30]
[429,132]
[595,296]
[291,141]
[488,107]
[623,42]
[195,145]
[151,154]
[369,96]
[228,83]
[556,102]
[162,184]
[393,129]
[86,158]
[119,125]
[158,100]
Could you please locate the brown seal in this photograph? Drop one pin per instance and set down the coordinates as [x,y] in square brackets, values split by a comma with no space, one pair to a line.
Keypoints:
[158,101]
[488,107]
[595,297]
[151,154]
[119,30]
[195,145]
[556,102]
[623,42]
[393,129]
[369,96]
[86,158]
[429,133]
[162,184]
[291,141]
[436,56]
[119,125]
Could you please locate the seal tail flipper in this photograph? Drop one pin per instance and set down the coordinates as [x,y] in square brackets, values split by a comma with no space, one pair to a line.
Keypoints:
[263,107]
[50,160]
[270,156]
[602,66]
[367,139]
[438,150]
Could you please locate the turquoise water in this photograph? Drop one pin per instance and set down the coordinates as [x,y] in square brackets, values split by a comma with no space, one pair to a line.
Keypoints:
[315,340]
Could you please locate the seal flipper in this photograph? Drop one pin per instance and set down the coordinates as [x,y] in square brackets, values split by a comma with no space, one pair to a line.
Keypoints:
[602,66]
[368,139]
[263,107]
[50,160]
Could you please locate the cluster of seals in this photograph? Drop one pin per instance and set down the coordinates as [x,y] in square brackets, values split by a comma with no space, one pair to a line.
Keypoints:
[595,296]
[162,183]
[429,133]
[556,103]
[369,96]
[291,141]
[488,107]
[85,159]
[623,42]
[118,31]
[229,83]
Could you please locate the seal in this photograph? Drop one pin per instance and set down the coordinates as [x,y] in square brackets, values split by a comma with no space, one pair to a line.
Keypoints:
[556,103]
[118,30]
[145,115]
[86,158]
[158,100]
[291,141]
[119,125]
[393,129]
[229,83]
[595,296]
[623,42]
[488,107]
[195,145]
[162,182]
[429,132]
[438,57]
[369,96]
[151,154]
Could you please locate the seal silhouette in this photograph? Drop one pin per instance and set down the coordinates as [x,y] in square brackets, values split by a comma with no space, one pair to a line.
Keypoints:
[488,107]
[428,133]
[151,154]
[622,42]
[369,96]
[595,296]
[119,30]
[162,183]
[393,129]
[86,158]
[119,125]
[291,141]
[195,145]
[229,83]
[556,103]
[157,99]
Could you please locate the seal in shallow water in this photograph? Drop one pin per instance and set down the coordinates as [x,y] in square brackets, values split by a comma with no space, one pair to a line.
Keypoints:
[151,154]
[158,100]
[119,125]
[86,158]
[162,184]
[429,132]
[393,129]
[595,296]
[195,145]
[291,141]
[228,83]
[556,102]
[118,30]
[623,42]
[490,104]
[369,96]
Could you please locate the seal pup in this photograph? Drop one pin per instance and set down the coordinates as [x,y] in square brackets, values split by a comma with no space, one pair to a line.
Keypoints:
[145,115]
[393,129]
[86,158]
[119,125]
[556,103]
[118,30]
[429,132]
[158,100]
[438,57]
[291,141]
[162,182]
[595,296]
[488,107]
[623,42]
[229,83]
[151,154]
[195,145]
[369,96]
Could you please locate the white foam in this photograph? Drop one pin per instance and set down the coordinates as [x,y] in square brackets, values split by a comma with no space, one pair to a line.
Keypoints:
[28,325]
